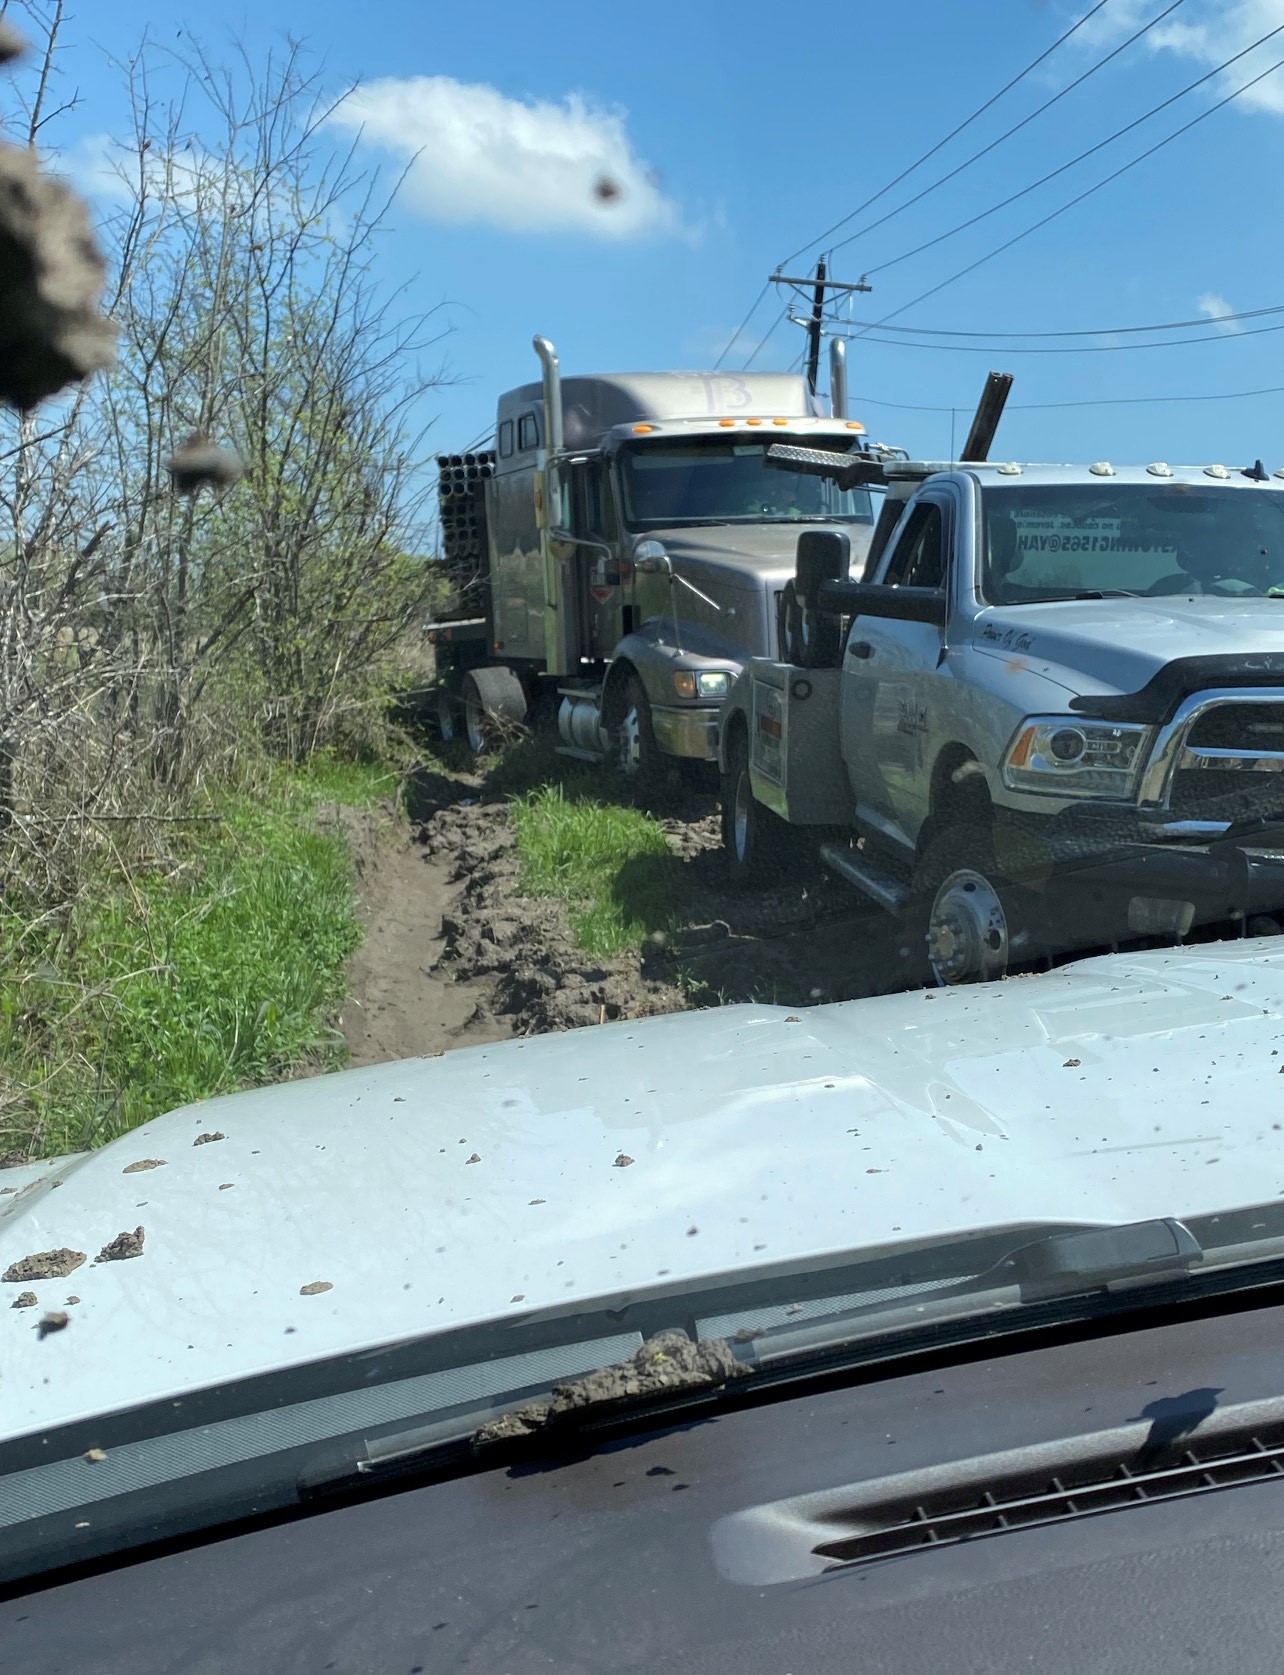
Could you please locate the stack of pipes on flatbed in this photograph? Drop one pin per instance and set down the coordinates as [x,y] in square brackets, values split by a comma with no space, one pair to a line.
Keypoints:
[460,488]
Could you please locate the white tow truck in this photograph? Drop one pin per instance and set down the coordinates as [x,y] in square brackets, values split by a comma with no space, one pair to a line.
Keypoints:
[1051,717]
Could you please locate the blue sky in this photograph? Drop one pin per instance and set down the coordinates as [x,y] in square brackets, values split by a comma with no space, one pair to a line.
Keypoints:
[740,131]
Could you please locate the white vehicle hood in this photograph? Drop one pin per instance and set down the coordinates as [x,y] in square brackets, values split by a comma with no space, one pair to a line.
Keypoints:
[1116,645]
[494,1181]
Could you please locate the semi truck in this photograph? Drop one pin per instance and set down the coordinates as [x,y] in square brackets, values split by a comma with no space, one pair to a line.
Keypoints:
[1049,717]
[620,553]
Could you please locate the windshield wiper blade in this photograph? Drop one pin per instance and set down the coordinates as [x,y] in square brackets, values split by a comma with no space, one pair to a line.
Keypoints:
[1057,1268]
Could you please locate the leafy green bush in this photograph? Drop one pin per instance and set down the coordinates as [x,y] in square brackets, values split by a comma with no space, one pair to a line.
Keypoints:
[150,991]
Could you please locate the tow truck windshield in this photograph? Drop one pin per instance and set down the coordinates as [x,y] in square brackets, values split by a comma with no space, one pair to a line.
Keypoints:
[692,483]
[1066,540]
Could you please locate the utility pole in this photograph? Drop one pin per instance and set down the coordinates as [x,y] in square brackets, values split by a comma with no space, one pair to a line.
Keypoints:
[814,325]
[820,283]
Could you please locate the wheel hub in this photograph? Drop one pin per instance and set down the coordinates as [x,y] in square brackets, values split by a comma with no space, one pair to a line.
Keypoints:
[967,931]
[631,741]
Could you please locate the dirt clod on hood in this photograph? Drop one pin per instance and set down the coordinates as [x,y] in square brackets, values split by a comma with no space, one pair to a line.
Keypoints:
[143,1163]
[44,1265]
[622,1160]
[314,1288]
[665,1365]
[123,1246]
[209,1137]
[54,1321]
[25,1300]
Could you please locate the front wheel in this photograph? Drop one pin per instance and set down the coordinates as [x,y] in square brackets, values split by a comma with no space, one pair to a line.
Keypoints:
[963,909]
[637,753]
[753,838]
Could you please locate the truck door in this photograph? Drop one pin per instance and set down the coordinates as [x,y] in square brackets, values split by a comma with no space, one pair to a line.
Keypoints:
[600,593]
[893,673]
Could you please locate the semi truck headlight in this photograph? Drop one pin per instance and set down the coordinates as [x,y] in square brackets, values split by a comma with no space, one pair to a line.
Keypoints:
[702,683]
[1063,756]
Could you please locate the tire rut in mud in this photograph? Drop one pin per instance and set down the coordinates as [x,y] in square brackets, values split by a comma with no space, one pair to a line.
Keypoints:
[801,939]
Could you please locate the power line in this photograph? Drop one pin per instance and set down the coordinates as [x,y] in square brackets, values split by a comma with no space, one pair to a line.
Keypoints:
[1025,191]
[1095,331]
[1077,349]
[766,337]
[953,134]
[1086,193]
[1102,401]
[1016,128]
[749,316]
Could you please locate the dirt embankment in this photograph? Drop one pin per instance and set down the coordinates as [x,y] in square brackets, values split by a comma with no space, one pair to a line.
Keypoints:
[454,955]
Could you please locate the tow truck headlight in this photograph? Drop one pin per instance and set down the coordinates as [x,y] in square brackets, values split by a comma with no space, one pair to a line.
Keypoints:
[1062,756]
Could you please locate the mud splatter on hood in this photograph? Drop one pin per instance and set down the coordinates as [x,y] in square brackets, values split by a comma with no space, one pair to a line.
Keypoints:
[1105,1092]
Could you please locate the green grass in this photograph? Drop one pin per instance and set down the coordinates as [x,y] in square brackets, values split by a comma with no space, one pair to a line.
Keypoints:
[609,863]
[160,988]
[335,779]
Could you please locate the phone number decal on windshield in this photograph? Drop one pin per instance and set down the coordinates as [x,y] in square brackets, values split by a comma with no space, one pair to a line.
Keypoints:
[1088,544]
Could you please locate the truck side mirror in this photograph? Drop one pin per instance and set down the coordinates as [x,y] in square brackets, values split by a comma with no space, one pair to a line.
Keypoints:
[650,559]
[823,556]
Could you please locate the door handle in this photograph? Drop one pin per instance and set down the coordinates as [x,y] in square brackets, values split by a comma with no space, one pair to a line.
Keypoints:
[860,648]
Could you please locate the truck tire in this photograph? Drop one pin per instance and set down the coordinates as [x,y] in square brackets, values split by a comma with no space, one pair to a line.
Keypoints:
[962,910]
[637,754]
[755,840]
[494,707]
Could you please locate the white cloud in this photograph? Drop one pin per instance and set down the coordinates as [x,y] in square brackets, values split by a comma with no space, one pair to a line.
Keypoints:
[1207,33]
[1215,305]
[528,167]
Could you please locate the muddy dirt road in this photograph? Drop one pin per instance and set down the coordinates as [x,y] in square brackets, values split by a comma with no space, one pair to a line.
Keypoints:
[453,955]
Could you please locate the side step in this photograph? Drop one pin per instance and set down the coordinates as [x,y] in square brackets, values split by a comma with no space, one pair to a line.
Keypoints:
[890,894]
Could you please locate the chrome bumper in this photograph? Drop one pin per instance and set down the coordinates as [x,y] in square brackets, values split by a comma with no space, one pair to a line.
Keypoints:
[692,733]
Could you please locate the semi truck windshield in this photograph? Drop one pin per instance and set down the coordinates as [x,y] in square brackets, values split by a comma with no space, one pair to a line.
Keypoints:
[1053,542]
[668,484]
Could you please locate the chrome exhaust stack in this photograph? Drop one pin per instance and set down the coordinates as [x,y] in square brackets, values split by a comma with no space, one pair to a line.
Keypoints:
[552,381]
[837,378]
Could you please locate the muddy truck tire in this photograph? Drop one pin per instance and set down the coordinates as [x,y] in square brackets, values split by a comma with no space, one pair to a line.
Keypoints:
[756,842]
[494,707]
